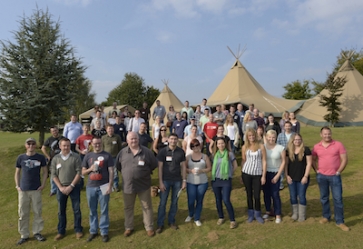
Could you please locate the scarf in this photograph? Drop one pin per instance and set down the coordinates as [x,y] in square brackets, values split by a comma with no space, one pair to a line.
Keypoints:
[224,165]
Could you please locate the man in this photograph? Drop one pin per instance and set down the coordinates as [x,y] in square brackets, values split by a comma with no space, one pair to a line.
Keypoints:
[114,109]
[283,139]
[233,113]
[120,128]
[29,187]
[136,164]
[203,106]
[172,177]
[83,141]
[256,116]
[99,166]
[241,114]
[188,110]
[329,161]
[72,130]
[134,124]
[178,128]
[52,144]
[66,173]
[204,119]
[251,107]
[219,116]
[95,109]
[144,138]
[111,143]
[159,110]
[145,114]
[100,118]
[188,128]
[210,130]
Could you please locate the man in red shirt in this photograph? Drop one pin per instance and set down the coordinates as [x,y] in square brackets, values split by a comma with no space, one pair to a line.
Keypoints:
[83,141]
[210,130]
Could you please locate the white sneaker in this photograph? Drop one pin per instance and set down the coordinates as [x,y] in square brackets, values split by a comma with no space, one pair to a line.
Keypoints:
[198,223]
[278,220]
[265,216]
[188,219]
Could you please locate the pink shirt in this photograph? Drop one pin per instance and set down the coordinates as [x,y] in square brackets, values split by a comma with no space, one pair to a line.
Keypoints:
[329,157]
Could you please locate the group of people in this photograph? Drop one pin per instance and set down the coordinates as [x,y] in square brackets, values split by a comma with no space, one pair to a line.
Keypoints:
[269,150]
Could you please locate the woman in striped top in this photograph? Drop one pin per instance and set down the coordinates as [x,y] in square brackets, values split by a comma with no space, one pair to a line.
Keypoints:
[253,173]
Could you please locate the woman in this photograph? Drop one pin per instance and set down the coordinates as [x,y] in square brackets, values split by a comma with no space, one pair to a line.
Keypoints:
[299,161]
[189,138]
[112,119]
[224,109]
[198,114]
[295,123]
[248,123]
[171,118]
[98,131]
[275,160]
[156,127]
[220,133]
[271,124]
[261,138]
[253,173]
[161,141]
[197,180]
[224,164]
[285,117]
[231,130]
[185,117]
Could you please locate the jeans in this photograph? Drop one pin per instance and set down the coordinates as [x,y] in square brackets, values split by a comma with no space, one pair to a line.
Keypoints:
[62,206]
[95,196]
[272,191]
[195,193]
[233,148]
[253,189]
[333,183]
[115,175]
[298,190]
[174,186]
[223,192]
[53,186]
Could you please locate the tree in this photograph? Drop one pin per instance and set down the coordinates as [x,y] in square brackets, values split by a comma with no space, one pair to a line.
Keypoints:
[317,87]
[85,99]
[132,91]
[39,75]
[331,100]
[297,90]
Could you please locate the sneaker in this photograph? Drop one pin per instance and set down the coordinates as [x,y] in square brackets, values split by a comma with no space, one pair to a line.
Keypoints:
[58,237]
[188,219]
[220,221]
[105,238]
[51,194]
[39,237]
[22,241]
[343,227]
[232,225]
[159,230]
[323,221]
[265,216]
[278,220]
[282,187]
[198,223]
[91,237]
[79,235]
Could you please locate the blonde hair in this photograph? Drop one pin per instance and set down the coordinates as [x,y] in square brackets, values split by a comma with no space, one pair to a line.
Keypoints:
[271,132]
[247,117]
[285,112]
[248,144]
[227,119]
[291,148]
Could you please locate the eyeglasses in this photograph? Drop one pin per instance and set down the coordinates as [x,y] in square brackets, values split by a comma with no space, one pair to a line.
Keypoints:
[194,146]
[30,144]
[162,130]
[297,139]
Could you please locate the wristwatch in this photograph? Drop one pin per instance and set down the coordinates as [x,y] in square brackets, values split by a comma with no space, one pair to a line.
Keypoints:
[337,173]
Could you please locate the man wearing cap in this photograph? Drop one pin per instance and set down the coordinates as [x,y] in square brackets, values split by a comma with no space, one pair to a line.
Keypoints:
[145,114]
[188,110]
[188,128]
[72,130]
[66,173]
[29,185]
[159,110]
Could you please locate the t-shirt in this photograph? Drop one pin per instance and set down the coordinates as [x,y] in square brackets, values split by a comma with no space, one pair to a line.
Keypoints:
[112,144]
[145,139]
[159,111]
[296,169]
[329,157]
[105,161]
[84,141]
[144,113]
[210,129]
[120,129]
[171,160]
[273,158]
[179,126]
[30,170]
[53,144]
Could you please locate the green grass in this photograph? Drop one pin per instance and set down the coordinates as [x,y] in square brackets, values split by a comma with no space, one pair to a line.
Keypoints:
[288,234]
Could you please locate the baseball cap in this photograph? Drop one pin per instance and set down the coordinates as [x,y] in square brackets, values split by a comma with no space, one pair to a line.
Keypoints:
[30,140]
[192,117]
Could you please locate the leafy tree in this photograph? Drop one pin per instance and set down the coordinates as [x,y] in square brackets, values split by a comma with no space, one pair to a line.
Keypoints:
[132,91]
[85,99]
[331,100]
[297,90]
[317,87]
[39,75]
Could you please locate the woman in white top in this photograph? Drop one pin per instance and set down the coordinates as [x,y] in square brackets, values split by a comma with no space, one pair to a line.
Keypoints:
[189,138]
[275,158]
[197,180]
[231,130]
[253,174]
[156,128]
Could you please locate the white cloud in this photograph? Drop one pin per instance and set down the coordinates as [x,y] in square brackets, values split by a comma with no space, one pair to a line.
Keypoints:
[75,2]
[165,37]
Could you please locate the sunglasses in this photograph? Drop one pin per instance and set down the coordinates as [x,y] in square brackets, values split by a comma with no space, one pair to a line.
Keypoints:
[30,144]
[162,130]
[193,146]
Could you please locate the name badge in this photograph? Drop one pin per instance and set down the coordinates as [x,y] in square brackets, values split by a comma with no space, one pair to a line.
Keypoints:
[114,142]
[178,125]
[141,163]
[37,163]
[59,165]
[169,158]
[121,129]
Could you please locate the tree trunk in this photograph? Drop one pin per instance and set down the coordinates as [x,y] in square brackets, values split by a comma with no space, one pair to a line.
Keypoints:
[41,137]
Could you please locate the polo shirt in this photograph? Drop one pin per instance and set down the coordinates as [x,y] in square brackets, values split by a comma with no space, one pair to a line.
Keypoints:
[171,160]
[329,157]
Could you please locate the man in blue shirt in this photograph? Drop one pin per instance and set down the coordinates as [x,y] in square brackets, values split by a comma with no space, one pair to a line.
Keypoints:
[72,131]
[178,128]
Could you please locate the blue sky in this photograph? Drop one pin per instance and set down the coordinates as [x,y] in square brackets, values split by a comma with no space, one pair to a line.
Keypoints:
[185,41]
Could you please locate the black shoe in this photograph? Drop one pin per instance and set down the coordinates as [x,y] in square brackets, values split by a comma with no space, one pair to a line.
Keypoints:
[159,230]
[91,237]
[105,238]
[22,240]
[174,226]
[39,237]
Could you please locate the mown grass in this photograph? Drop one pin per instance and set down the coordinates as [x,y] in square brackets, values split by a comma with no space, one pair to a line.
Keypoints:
[288,234]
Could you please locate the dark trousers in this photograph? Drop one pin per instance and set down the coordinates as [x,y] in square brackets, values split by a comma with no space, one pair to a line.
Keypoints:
[253,189]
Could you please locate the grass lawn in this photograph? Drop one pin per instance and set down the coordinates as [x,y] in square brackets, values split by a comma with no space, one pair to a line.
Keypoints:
[288,234]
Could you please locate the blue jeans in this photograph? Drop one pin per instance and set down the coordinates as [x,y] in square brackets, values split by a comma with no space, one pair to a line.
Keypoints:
[174,186]
[298,190]
[333,183]
[62,206]
[233,148]
[195,194]
[115,174]
[222,191]
[272,191]
[53,186]
[95,196]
